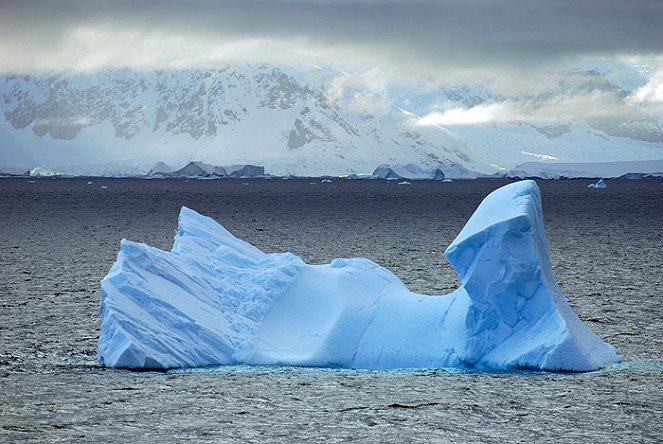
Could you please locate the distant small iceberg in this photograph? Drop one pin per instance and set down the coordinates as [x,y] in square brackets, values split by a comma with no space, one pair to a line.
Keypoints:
[599,184]
[42,172]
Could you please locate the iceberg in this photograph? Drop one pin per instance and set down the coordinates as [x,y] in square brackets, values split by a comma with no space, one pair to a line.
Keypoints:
[160,169]
[598,184]
[197,169]
[415,172]
[42,172]
[217,300]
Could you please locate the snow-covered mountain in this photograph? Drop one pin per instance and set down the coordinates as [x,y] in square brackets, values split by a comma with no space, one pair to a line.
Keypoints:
[279,117]
[590,114]
[297,120]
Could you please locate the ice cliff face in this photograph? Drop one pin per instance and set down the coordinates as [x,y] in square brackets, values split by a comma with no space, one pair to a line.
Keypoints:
[216,300]
[517,316]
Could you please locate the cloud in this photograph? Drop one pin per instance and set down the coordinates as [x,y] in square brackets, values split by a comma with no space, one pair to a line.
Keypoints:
[651,94]
[479,114]
[540,156]
[551,109]
[515,47]
[416,38]
[366,92]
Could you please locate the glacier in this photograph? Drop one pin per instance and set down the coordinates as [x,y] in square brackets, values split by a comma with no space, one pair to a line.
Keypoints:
[589,170]
[217,300]
[119,122]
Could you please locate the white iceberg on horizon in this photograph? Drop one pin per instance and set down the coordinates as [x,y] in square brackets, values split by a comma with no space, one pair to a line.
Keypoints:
[41,171]
[217,300]
[599,184]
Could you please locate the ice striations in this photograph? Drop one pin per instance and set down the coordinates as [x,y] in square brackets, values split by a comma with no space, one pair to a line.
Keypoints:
[217,300]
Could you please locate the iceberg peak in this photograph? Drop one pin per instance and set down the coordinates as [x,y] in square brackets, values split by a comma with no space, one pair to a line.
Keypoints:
[217,300]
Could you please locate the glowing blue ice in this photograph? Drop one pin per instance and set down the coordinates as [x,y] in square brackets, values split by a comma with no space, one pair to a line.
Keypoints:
[216,300]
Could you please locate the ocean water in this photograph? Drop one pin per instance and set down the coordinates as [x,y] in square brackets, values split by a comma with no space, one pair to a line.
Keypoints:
[59,237]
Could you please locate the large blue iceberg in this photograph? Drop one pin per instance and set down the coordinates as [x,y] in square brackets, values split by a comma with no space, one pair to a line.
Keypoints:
[217,300]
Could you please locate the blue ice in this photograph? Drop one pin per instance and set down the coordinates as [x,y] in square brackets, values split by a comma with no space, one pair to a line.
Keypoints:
[217,300]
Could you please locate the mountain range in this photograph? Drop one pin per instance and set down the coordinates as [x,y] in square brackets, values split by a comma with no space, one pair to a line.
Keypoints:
[301,120]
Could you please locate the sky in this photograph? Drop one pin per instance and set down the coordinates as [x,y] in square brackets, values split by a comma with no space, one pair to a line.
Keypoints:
[436,37]
[515,46]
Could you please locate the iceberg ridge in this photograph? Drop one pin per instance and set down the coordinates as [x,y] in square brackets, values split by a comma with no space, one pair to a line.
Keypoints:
[217,300]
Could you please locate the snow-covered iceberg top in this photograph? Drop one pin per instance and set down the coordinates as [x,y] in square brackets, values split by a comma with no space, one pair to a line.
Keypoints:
[217,300]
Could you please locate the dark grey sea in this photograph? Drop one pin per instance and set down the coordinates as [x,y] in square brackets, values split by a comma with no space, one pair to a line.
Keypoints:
[59,237]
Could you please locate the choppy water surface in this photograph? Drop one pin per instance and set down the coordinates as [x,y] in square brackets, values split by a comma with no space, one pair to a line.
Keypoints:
[58,238]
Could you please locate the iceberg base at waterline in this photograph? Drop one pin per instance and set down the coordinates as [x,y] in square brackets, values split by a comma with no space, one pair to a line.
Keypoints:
[217,300]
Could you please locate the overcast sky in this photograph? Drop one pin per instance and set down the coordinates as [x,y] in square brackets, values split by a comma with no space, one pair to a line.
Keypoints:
[442,36]
[513,45]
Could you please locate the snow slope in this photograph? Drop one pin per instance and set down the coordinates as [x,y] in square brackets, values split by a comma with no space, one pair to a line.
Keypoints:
[282,117]
[313,120]
[217,300]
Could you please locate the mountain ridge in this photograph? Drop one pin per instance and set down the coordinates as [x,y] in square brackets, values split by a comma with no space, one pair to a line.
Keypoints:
[223,116]
[294,120]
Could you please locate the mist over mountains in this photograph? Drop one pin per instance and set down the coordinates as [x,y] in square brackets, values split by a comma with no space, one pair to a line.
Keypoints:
[314,120]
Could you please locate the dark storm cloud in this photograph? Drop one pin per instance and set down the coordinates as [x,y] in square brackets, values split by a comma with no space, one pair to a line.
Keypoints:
[472,34]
